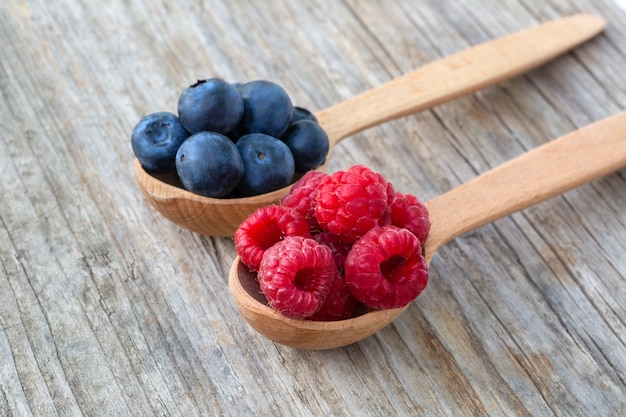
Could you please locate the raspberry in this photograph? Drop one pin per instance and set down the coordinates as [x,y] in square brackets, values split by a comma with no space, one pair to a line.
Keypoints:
[350,203]
[263,228]
[296,275]
[339,248]
[385,268]
[302,196]
[386,218]
[391,194]
[407,212]
[339,304]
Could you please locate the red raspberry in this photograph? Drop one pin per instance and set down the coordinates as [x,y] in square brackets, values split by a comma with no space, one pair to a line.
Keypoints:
[263,228]
[302,196]
[385,268]
[386,218]
[350,203]
[296,276]
[391,193]
[407,212]
[339,304]
[339,248]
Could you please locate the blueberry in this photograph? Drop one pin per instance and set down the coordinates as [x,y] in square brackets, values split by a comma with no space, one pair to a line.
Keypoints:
[308,143]
[267,108]
[209,164]
[155,140]
[268,164]
[300,113]
[210,105]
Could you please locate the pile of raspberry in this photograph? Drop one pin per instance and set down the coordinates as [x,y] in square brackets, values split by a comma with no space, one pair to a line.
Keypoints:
[335,242]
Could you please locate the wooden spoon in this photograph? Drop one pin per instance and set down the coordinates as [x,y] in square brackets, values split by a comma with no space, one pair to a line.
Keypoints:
[549,170]
[444,80]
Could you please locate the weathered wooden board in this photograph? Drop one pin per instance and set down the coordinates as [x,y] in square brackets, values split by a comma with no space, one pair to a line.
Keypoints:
[107,309]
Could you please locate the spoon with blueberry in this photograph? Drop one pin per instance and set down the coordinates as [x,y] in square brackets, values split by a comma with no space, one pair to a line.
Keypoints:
[233,148]
[345,264]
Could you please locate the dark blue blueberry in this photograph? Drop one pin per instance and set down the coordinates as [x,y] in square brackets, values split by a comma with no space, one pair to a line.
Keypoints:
[268,164]
[210,105]
[308,143]
[209,164]
[155,140]
[267,108]
[300,113]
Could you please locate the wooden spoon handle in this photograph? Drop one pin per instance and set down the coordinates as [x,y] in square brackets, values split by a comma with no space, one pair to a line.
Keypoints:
[459,74]
[544,172]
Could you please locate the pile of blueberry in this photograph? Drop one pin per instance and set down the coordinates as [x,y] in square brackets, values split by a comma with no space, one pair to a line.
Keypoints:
[231,139]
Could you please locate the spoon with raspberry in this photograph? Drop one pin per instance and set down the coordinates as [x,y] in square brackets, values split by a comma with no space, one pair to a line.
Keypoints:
[385,272]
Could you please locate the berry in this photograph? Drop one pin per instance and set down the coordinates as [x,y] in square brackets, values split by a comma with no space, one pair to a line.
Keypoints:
[369,232]
[302,195]
[350,203]
[210,105]
[267,108]
[155,140]
[308,143]
[339,248]
[385,220]
[296,275]
[268,164]
[339,305]
[407,212]
[209,164]
[385,268]
[265,227]
[300,113]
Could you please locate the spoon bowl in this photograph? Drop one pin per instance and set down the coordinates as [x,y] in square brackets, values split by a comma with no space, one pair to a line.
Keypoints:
[549,170]
[456,75]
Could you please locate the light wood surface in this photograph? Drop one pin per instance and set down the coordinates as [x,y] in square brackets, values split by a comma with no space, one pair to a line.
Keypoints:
[461,73]
[109,309]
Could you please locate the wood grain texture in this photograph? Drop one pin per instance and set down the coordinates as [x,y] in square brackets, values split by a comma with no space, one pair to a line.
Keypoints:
[108,309]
